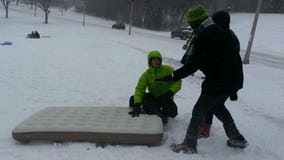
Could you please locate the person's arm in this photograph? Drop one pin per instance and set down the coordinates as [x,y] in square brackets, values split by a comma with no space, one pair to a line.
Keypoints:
[140,88]
[175,86]
[192,66]
[206,45]
[188,69]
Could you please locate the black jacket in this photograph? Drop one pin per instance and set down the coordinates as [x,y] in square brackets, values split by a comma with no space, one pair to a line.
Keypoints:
[212,55]
[235,61]
[222,19]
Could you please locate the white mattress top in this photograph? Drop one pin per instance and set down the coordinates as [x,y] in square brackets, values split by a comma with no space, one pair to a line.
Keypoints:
[90,119]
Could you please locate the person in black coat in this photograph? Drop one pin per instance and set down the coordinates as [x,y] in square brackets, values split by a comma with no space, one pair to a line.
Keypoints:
[37,35]
[210,54]
[222,19]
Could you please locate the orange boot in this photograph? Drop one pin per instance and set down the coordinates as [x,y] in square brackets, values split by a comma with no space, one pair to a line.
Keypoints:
[205,130]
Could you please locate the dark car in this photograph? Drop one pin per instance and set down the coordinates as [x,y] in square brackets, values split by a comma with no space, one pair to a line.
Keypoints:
[118,25]
[182,32]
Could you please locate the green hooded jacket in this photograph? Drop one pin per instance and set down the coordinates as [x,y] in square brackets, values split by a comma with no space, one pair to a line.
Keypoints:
[147,80]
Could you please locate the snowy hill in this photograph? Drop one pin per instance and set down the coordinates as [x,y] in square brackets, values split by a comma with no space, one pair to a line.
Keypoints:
[99,66]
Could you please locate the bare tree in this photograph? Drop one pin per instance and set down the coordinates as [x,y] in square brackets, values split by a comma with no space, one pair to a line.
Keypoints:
[62,6]
[6,4]
[84,3]
[44,5]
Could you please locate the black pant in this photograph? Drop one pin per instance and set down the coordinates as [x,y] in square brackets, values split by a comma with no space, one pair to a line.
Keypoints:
[214,103]
[158,106]
[209,118]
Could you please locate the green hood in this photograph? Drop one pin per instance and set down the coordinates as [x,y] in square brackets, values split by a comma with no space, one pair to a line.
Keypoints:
[154,54]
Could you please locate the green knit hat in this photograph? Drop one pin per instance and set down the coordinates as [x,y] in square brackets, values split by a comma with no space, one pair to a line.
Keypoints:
[196,13]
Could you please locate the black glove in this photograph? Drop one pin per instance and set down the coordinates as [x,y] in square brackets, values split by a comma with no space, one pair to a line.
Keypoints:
[234,96]
[168,78]
[168,95]
[136,110]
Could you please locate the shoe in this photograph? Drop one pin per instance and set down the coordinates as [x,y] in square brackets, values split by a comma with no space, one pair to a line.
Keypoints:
[238,141]
[186,149]
[205,131]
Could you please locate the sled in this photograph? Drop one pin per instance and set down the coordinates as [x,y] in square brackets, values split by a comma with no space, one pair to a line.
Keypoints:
[7,43]
[45,37]
[102,125]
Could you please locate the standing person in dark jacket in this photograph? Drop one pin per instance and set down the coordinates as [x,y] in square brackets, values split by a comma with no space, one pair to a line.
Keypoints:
[210,54]
[222,19]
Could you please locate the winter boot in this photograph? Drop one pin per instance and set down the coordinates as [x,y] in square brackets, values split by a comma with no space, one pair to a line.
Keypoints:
[188,146]
[186,149]
[205,131]
[239,141]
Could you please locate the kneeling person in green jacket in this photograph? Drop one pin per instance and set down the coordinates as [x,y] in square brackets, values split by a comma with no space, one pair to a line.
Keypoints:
[159,100]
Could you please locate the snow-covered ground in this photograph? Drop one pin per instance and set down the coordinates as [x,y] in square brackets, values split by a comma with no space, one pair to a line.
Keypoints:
[99,66]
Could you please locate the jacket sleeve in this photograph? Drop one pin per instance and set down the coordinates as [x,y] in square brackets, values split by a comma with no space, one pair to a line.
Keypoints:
[140,88]
[175,86]
[192,66]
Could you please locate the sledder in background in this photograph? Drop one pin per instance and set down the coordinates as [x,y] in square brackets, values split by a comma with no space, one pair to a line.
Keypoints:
[160,98]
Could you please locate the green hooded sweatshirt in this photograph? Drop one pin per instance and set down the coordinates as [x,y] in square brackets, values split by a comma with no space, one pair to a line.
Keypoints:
[147,80]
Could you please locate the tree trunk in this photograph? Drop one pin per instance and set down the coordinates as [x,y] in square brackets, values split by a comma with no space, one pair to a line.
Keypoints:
[35,11]
[46,16]
[6,8]
[17,3]
[182,17]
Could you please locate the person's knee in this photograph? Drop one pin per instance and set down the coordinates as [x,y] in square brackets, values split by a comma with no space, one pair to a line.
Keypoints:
[199,112]
[171,110]
[131,101]
[224,115]
[173,114]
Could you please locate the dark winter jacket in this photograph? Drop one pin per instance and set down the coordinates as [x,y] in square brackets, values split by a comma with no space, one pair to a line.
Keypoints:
[222,18]
[37,35]
[212,57]
[147,80]
[186,56]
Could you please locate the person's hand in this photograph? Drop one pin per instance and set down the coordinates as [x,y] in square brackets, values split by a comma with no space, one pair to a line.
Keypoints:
[234,96]
[168,78]
[136,110]
[168,95]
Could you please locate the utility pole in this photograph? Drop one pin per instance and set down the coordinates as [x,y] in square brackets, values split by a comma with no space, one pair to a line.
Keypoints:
[84,6]
[131,16]
[35,10]
[248,51]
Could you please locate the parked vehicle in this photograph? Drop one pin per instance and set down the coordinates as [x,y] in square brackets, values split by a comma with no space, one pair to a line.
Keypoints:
[118,25]
[182,32]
